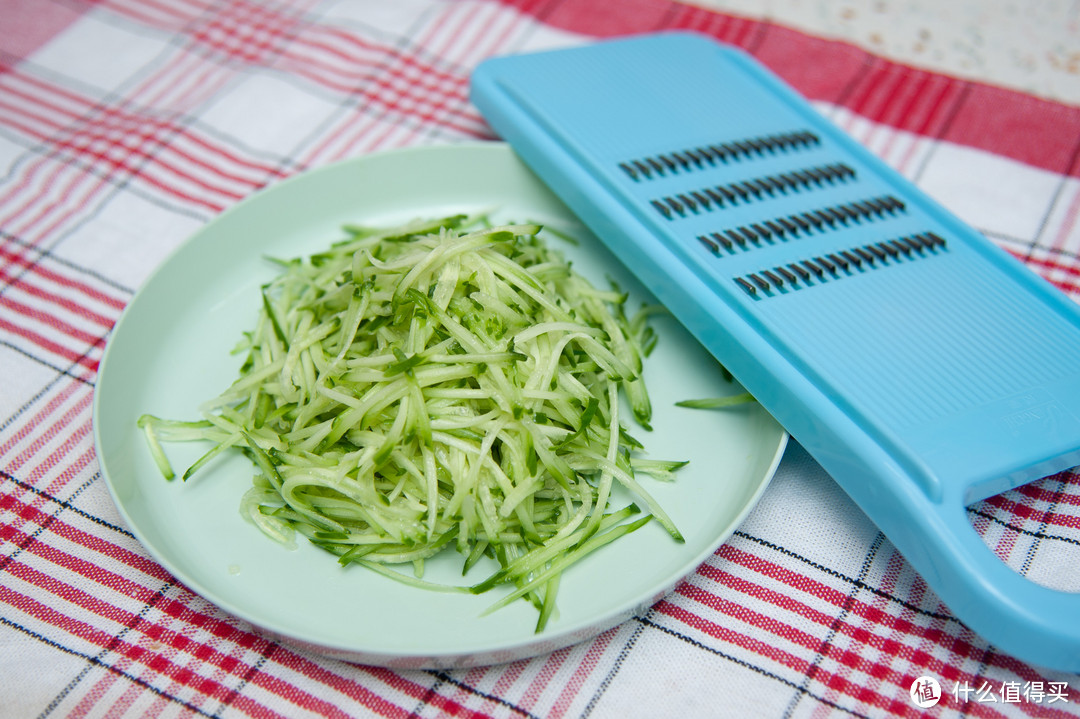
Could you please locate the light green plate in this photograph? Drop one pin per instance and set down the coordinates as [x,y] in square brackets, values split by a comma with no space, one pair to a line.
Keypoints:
[171,351]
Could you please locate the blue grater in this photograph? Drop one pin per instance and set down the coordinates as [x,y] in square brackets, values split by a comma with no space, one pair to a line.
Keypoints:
[923,367]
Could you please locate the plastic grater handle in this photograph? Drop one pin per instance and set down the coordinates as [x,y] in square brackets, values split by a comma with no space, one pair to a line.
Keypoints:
[1035,616]
[1029,621]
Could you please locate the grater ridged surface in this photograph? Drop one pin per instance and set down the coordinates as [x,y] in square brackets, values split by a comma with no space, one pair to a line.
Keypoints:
[902,340]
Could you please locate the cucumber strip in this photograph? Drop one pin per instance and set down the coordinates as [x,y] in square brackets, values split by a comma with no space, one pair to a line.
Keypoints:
[627,480]
[558,566]
[547,608]
[661,469]
[410,581]
[213,452]
[146,422]
[717,402]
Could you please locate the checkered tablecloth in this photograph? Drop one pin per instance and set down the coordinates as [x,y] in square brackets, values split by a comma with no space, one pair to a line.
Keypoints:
[125,125]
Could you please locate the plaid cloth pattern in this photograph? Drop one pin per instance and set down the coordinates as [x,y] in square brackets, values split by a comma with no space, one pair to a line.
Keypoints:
[127,124]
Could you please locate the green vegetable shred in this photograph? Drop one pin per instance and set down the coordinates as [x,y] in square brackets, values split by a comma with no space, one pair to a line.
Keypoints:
[445,384]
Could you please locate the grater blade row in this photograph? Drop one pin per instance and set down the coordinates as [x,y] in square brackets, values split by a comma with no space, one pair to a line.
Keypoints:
[939,371]
[702,156]
[804,224]
[717,197]
[814,271]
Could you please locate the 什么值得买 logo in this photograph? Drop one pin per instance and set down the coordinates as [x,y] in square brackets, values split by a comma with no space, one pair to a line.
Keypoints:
[925,692]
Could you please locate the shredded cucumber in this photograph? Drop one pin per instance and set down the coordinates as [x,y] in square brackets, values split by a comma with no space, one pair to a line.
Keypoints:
[443,384]
[717,402]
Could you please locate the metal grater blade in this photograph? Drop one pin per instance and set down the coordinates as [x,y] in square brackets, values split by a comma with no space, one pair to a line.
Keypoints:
[922,366]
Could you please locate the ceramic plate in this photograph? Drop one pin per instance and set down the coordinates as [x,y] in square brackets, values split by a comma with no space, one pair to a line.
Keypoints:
[171,350]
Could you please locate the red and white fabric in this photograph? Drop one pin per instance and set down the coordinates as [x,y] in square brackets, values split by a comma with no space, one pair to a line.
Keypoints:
[127,124]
